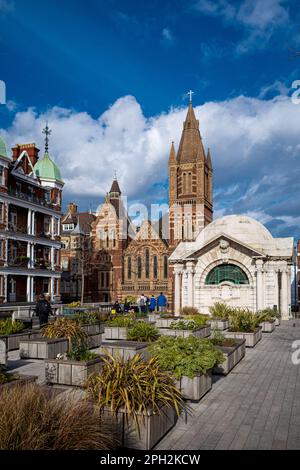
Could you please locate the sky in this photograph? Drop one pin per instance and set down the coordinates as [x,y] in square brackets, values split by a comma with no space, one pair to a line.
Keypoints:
[111,77]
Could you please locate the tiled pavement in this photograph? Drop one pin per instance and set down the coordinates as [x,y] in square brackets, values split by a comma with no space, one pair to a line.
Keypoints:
[257,406]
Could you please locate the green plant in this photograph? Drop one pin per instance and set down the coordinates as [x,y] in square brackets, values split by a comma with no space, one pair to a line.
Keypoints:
[7,377]
[65,328]
[135,387]
[186,356]
[74,304]
[9,327]
[269,314]
[184,325]
[80,352]
[220,311]
[218,339]
[189,311]
[200,320]
[244,320]
[130,299]
[142,331]
[121,321]
[86,317]
[166,315]
[35,418]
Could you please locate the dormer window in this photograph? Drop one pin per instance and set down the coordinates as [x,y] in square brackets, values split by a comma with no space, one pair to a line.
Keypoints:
[68,227]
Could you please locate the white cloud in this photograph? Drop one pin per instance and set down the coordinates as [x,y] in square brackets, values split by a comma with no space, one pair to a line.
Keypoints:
[254,144]
[167,36]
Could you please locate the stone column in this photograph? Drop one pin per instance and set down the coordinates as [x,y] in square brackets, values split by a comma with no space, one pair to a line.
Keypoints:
[29,222]
[5,287]
[33,223]
[52,257]
[177,293]
[28,290]
[284,308]
[276,289]
[29,255]
[259,285]
[190,283]
[52,288]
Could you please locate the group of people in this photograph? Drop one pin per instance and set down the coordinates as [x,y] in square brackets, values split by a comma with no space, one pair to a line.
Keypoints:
[144,304]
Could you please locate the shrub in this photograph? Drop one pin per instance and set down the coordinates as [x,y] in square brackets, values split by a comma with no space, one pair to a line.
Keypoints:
[220,311]
[135,387]
[86,317]
[190,324]
[242,319]
[142,331]
[189,311]
[186,356]
[218,339]
[268,314]
[80,352]
[65,328]
[121,321]
[33,418]
[7,377]
[166,315]
[9,327]
[74,304]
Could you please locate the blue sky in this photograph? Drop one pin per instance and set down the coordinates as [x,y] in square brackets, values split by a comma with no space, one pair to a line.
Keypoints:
[111,77]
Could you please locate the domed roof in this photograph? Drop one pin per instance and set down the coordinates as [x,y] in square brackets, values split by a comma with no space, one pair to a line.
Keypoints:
[46,169]
[3,151]
[243,228]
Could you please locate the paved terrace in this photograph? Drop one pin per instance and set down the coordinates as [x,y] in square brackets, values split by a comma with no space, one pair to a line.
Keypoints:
[257,406]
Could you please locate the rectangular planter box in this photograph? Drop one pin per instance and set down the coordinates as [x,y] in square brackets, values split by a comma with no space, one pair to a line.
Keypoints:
[153,317]
[233,355]
[115,332]
[67,372]
[94,341]
[152,430]
[22,380]
[13,341]
[268,326]
[251,338]
[165,322]
[219,324]
[277,321]
[43,348]
[202,332]
[93,329]
[3,351]
[194,389]
[125,349]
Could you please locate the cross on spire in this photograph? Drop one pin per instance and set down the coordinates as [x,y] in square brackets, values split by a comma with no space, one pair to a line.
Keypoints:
[47,132]
[190,93]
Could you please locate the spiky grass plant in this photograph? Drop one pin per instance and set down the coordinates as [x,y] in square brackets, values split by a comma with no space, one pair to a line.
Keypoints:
[65,328]
[121,321]
[220,311]
[244,320]
[33,418]
[135,387]
[144,332]
[9,327]
[190,311]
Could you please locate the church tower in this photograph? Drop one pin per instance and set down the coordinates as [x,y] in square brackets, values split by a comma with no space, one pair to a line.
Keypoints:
[190,183]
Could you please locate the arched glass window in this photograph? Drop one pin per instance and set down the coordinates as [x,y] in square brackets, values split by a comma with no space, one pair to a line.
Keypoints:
[227,272]
[189,182]
[147,263]
[155,267]
[139,267]
[165,267]
[129,267]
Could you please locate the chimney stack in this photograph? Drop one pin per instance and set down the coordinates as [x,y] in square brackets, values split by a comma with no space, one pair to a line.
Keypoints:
[72,208]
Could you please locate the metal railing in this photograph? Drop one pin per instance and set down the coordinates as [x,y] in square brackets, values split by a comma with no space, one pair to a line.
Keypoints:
[29,197]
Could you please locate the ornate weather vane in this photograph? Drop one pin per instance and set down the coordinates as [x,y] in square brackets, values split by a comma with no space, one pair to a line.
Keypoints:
[47,132]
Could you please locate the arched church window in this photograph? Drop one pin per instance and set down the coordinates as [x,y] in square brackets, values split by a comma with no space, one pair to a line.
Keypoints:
[129,267]
[139,267]
[226,272]
[165,267]
[189,184]
[147,263]
[155,270]
[184,180]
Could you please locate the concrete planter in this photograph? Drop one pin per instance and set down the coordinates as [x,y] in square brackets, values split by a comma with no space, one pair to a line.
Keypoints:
[165,322]
[219,324]
[21,381]
[94,328]
[194,389]
[202,332]
[13,341]
[233,355]
[277,321]
[43,348]
[3,351]
[152,429]
[268,326]
[153,317]
[251,338]
[67,372]
[115,332]
[94,341]
[125,349]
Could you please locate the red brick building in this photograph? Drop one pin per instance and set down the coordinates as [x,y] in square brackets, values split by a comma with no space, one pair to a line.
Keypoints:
[30,213]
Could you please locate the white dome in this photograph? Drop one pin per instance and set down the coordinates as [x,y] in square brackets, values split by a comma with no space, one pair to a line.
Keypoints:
[242,228]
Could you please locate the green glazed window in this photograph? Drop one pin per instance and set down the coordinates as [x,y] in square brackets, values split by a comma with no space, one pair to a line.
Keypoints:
[226,272]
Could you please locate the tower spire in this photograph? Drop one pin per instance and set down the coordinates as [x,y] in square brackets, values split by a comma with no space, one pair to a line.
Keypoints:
[47,132]
[190,148]
[172,157]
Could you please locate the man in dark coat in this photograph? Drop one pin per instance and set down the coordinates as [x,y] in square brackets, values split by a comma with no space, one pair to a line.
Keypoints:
[43,310]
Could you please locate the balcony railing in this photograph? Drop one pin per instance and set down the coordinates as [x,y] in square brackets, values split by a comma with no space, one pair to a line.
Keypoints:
[30,198]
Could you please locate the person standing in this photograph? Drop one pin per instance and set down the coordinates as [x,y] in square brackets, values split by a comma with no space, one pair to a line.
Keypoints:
[161,302]
[152,304]
[126,306]
[142,303]
[43,310]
